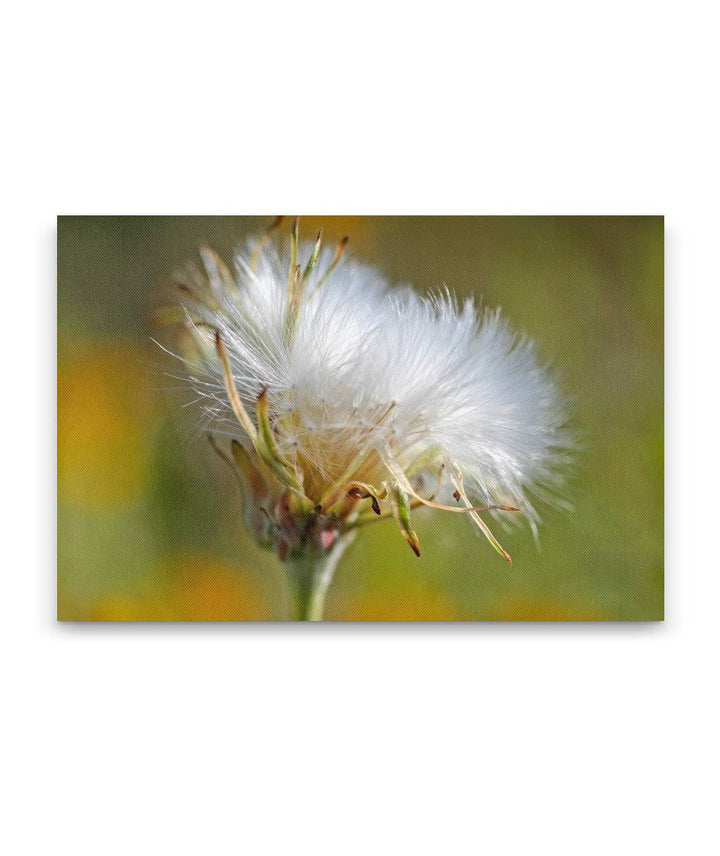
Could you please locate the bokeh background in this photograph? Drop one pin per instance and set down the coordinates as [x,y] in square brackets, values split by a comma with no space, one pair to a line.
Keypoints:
[149,520]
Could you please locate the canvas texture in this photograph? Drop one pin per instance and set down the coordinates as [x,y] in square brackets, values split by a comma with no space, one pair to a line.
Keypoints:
[170,509]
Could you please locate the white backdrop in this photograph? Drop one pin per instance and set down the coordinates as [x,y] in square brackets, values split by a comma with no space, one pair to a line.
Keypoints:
[505,739]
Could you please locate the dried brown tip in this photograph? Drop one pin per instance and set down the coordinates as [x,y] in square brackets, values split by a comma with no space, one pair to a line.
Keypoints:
[339,251]
[414,544]
[359,493]
[262,398]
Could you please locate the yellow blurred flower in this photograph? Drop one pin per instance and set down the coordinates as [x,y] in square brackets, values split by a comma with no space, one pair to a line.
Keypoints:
[103,407]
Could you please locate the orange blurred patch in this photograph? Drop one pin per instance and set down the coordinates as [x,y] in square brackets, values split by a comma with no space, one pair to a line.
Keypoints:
[204,589]
[540,609]
[188,587]
[416,603]
[103,417]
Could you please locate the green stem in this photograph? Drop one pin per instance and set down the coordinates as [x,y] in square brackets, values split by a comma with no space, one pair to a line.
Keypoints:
[310,574]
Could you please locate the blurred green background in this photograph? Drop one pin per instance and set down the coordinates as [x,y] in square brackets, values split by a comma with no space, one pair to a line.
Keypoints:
[149,522]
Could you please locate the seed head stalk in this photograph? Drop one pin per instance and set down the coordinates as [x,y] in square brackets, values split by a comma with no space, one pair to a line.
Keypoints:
[309,574]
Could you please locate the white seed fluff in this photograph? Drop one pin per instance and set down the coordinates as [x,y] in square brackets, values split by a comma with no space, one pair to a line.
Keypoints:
[427,386]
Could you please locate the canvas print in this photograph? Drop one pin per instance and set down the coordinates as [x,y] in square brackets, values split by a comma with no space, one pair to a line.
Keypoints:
[360,418]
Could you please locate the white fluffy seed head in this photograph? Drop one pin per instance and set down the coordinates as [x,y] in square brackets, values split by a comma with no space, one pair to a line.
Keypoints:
[374,383]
